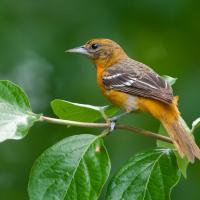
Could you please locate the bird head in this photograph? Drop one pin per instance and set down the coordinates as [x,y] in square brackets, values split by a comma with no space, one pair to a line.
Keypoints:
[103,52]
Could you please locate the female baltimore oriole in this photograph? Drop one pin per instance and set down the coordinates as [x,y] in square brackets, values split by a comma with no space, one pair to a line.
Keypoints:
[133,86]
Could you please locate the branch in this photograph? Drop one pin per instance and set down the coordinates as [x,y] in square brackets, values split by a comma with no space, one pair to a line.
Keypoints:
[105,125]
[144,132]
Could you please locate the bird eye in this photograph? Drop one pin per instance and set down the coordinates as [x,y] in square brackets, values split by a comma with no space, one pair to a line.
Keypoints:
[94,46]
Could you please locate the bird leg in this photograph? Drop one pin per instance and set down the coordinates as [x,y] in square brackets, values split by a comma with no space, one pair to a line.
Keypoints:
[117,117]
[112,121]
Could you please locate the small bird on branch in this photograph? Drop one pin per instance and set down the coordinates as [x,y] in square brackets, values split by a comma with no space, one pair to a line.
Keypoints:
[133,86]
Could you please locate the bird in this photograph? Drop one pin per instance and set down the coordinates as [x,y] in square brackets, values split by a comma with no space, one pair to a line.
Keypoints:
[134,86]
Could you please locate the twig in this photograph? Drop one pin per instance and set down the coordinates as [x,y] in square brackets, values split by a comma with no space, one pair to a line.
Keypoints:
[105,125]
[144,132]
[74,123]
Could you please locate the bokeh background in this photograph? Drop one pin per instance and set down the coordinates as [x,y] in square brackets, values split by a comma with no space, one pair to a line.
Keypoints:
[33,36]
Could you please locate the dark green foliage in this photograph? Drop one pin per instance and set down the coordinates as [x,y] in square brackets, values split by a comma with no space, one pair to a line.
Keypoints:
[80,112]
[150,176]
[75,168]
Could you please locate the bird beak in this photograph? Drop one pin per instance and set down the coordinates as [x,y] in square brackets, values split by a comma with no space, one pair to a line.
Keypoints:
[79,50]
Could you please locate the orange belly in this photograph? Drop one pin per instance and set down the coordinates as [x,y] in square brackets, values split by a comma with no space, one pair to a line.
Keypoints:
[124,101]
[159,109]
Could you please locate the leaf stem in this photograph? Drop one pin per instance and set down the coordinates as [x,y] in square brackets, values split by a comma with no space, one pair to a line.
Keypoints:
[73,123]
[105,125]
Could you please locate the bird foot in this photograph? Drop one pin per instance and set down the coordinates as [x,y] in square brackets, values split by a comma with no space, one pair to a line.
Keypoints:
[112,124]
[112,121]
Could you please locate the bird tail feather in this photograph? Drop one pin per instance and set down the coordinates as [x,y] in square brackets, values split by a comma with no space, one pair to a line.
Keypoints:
[182,139]
[169,116]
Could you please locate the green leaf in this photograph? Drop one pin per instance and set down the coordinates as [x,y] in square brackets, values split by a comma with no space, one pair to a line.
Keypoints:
[75,168]
[170,79]
[16,116]
[148,176]
[195,124]
[80,112]
[181,162]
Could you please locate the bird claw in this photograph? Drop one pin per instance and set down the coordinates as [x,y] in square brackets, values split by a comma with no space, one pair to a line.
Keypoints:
[112,126]
[112,123]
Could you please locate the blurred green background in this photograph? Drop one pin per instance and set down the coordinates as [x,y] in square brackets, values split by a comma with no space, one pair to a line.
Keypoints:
[33,36]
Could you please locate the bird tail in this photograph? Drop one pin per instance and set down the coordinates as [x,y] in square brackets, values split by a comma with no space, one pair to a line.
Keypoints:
[170,118]
[182,139]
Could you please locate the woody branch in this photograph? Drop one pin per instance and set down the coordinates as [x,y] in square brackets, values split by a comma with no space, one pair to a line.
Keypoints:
[105,125]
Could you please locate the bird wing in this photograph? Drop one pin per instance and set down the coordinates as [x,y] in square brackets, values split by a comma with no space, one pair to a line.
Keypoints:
[138,80]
